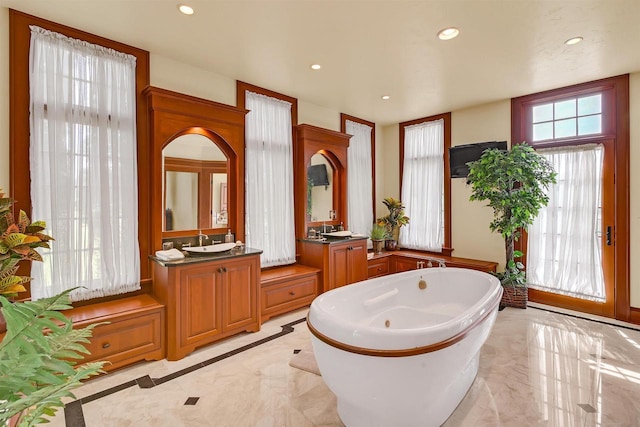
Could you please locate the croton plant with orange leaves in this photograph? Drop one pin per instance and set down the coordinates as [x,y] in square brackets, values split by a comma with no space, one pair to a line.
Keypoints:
[18,241]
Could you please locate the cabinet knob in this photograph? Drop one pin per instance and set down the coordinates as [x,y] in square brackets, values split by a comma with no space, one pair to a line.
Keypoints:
[379,268]
[220,270]
[293,294]
[224,269]
[106,345]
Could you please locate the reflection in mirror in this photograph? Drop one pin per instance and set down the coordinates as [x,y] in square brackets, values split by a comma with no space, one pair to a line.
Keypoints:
[195,184]
[320,189]
[181,196]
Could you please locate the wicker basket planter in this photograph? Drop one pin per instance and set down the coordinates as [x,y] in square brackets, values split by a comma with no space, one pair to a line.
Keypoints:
[514,296]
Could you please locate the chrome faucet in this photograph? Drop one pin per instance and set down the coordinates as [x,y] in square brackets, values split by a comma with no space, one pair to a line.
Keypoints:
[200,237]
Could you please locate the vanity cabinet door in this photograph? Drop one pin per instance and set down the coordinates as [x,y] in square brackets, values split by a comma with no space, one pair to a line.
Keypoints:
[240,292]
[200,304]
[339,265]
[357,261]
[348,262]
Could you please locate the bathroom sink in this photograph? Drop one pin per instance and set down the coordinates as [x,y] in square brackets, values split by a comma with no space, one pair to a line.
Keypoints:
[210,249]
[341,234]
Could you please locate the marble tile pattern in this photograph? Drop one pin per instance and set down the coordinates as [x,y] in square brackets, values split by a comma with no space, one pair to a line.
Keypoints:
[537,368]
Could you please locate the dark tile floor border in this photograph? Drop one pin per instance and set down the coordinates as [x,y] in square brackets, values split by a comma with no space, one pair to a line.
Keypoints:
[74,417]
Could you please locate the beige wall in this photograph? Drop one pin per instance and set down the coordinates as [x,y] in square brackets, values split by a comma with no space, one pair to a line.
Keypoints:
[470,234]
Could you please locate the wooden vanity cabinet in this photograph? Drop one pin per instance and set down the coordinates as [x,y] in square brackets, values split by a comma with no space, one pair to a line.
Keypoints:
[208,301]
[341,262]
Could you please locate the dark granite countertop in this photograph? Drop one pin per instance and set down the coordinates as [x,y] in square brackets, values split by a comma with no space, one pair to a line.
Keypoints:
[330,240]
[196,259]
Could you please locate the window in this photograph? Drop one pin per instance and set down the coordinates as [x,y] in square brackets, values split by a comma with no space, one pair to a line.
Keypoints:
[425,191]
[360,179]
[567,118]
[83,166]
[269,165]
[20,175]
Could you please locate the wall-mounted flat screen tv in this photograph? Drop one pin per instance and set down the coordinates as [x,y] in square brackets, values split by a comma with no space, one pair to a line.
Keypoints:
[460,155]
[318,174]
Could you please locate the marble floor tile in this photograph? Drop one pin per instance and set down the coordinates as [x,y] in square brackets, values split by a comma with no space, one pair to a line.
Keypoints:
[537,368]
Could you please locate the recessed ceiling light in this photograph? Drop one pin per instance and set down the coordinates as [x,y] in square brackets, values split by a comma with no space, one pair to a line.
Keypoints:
[316,66]
[385,97]
[187,10]
[573,40]
[448,33]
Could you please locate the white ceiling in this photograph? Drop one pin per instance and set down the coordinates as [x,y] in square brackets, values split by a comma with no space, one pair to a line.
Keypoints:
[367,48]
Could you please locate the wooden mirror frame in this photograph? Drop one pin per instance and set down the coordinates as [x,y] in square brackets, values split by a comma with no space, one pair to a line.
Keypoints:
[333,145]
[173,114]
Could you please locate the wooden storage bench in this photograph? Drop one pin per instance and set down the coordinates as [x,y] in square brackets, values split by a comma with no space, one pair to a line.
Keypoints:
[287,288]
[135,331]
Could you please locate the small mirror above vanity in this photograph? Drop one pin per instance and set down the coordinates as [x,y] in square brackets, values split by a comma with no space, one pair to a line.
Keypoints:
[320,189]
[195,184]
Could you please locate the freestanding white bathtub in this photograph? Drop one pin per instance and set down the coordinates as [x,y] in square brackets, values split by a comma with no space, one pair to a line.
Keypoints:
[397,355]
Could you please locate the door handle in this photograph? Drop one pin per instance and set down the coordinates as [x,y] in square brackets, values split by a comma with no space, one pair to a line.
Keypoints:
[609,235]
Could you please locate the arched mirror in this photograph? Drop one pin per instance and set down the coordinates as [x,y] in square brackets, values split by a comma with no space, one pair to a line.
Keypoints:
[323,198]
[195,184]
[320,189]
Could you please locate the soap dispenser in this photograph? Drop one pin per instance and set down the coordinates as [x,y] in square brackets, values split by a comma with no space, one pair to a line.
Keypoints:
[229,237]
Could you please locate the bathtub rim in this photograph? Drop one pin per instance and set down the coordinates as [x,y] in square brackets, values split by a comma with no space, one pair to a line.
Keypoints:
[490,309]
[429,348]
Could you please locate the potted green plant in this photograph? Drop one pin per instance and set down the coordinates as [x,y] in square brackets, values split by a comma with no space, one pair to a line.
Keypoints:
[393,221]
[37,367]
[37,352]
[513,183]
[378,235]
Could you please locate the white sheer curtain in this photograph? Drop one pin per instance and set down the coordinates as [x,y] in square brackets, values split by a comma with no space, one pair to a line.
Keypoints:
[269,179]
[564,249]
[423,186]
[83,166]
[359,178]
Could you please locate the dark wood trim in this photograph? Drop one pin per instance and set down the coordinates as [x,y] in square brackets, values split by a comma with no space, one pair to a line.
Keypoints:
[403,352]
[616,126]
[19,187]
[447,173]
[173,114]
[242,87]
[343,128]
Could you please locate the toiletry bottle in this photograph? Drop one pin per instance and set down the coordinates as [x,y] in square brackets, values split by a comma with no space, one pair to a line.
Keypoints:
[341,227]
[229,238]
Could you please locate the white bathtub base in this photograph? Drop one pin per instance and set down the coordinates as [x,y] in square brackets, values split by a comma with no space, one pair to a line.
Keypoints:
[396,392]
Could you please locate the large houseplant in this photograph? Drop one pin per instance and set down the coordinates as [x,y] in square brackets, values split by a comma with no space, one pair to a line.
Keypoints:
[37,352]
[393,221]
[513,183]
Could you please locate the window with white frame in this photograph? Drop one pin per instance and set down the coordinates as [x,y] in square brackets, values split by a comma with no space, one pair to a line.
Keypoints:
[83,166]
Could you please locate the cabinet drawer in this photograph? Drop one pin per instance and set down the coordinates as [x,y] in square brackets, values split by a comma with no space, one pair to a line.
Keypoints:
[288,295]
[126,339]
[378,267]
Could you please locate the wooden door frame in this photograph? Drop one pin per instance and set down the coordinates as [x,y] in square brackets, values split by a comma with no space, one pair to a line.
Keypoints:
[615,126]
